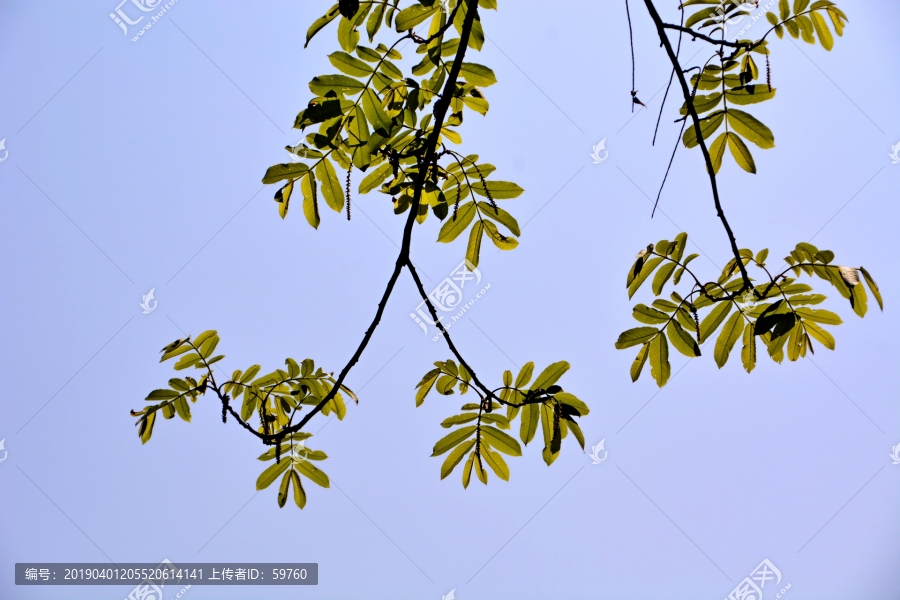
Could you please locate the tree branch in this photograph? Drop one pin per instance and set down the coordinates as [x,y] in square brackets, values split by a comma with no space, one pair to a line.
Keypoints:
[443,330]
[429,159]
[706,38]
[689,103]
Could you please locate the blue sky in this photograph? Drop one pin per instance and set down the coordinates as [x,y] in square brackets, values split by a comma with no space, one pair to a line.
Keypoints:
[137,165]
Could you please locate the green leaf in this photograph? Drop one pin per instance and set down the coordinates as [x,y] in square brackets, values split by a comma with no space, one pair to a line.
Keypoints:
[570,400]
[445,385]
[413,15]
[321,22]
[347,34]
[717,151]
[338,84]
[375,178]
[479,470]
[271,474]
[500,215]
[455,457]
[525,375]
[500,190]
[452,439]
[659,360]
[636,336]
[501,241]
[712,321]
[452,228]
[823,336]
[731,333]
[708,126]
[145,429]
[873,287]
[528,426]
[858,299]
[496,463]
[550,375]
[645,272]
[501,441]
[473,249]
[822,30]
[310,200]
[313,473]
[425,385]
[162,394]
[748,352]
[648,315]
[683,341]
[283,489]
[825,317]
[662,276]
[748,126]
[638,365]
[741,153]
[373,24]
[186,361]
[375,112]
[299,492]
[458,419]
[477,74]
[467,470]
[331,185]
[750,94]
[350,65]
[276,173]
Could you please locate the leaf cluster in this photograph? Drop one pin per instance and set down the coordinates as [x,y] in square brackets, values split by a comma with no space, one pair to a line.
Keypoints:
[776,311]
[269,404]
[480,439]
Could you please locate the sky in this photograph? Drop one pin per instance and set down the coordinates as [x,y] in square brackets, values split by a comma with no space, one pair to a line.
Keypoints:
[134,166]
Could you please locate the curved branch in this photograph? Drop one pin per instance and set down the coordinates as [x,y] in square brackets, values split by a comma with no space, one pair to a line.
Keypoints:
[430,158]
[443,330]
[689,103]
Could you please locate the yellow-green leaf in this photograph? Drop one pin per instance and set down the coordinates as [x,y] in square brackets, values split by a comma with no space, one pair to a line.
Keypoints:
[659,360]
[731,333]
[473,250]
[452,439]
[501,441]
[638,365]
[717,151]
[330,185]
[271,474]
[741,153]
[453,227]
[455,457]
